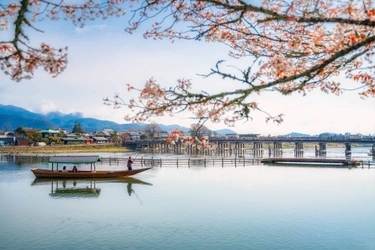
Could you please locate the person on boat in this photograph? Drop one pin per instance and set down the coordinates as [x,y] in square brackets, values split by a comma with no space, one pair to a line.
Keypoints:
[64,169]
[75,169]
[130,162]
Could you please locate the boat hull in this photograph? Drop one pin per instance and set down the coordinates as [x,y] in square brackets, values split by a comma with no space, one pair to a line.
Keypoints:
[45,173]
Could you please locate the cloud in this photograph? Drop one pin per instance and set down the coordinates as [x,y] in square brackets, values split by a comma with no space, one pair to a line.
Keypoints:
[47,106]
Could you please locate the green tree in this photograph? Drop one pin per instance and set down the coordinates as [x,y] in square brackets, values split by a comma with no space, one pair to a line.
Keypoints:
[115,137]
[144,137]
[35,136]
[77,129]
[54,139]
[20,130]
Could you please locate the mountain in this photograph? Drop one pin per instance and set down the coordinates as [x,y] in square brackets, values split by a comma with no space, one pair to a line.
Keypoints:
[10,122]
[225,131]
[13,110]
[172,127]
[295,134]
[12,117]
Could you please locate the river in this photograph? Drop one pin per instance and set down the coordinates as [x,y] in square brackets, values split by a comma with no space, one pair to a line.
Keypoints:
[213,207]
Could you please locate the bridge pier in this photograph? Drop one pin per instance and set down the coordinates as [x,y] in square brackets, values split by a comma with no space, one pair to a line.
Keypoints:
[278,149]
[258,149]
[239,149]
[348,150]
[322,149]
[223,148]
[298,151]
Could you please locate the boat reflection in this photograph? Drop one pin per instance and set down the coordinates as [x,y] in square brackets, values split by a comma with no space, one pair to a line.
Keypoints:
[83,188]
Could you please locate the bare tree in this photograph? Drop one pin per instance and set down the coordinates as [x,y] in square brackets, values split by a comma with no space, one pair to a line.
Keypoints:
[152,130]
[199,130]
[124,137]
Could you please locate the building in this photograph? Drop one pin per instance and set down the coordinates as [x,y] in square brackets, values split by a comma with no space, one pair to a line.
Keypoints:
[7,139]
[100,140]
[49,133]
[107,133]
[232,136]
[77,140]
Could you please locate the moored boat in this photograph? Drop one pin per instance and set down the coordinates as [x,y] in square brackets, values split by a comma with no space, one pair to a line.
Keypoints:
[92,173]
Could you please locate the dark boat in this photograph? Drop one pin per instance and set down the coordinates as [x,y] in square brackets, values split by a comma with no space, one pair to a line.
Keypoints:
[92,173]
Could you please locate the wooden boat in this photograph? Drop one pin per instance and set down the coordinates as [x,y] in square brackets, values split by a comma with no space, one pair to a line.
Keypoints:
[92,173]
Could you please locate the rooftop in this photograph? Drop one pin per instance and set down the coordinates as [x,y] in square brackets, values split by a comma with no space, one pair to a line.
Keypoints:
[75,159]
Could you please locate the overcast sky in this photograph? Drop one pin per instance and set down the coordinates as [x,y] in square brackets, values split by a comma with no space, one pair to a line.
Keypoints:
[103,58]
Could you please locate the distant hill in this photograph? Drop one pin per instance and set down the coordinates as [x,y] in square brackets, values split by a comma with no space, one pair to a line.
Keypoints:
[295,134]
[11,122]
[13,110]
[12,117]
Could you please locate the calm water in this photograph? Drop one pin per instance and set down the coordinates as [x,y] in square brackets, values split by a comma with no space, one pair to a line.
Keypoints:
[252,207]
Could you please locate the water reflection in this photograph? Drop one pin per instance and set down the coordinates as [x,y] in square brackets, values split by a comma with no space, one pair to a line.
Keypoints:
[84,188]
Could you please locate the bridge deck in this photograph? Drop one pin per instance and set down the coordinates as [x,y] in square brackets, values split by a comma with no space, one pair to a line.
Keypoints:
[312,161]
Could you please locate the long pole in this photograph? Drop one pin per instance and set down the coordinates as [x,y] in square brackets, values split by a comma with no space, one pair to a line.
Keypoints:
[136,156]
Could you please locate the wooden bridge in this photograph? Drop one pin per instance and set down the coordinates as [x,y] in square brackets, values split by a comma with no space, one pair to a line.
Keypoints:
[238,146]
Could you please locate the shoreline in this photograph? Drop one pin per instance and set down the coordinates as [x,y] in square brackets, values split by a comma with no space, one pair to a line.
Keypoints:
[107,148]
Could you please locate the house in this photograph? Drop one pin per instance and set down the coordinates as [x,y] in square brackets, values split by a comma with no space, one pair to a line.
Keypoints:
[76,140]
[70,135]
[100,140]
[49,133]
[135,136]
[7,139]
[107,133]
[23,142]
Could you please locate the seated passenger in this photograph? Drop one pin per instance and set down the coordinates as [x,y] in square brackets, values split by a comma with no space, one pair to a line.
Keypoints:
[75,169]
[64,169]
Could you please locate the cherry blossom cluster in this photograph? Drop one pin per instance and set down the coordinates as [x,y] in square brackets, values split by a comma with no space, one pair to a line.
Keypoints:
[177,135]
[18,58]
[299,45]
[295,46]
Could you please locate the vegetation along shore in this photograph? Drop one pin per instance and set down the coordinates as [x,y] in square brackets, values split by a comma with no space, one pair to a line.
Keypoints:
[107,148]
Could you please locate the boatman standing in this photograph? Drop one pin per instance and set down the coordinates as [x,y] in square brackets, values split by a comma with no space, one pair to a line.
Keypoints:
[130,162]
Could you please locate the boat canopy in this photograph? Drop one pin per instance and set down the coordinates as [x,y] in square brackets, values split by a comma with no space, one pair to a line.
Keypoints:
[76,159]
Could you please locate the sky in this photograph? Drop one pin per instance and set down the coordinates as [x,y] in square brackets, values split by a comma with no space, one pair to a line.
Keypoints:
[103,58]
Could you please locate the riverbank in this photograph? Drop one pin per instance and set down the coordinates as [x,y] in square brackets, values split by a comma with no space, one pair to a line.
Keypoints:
[105,148]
